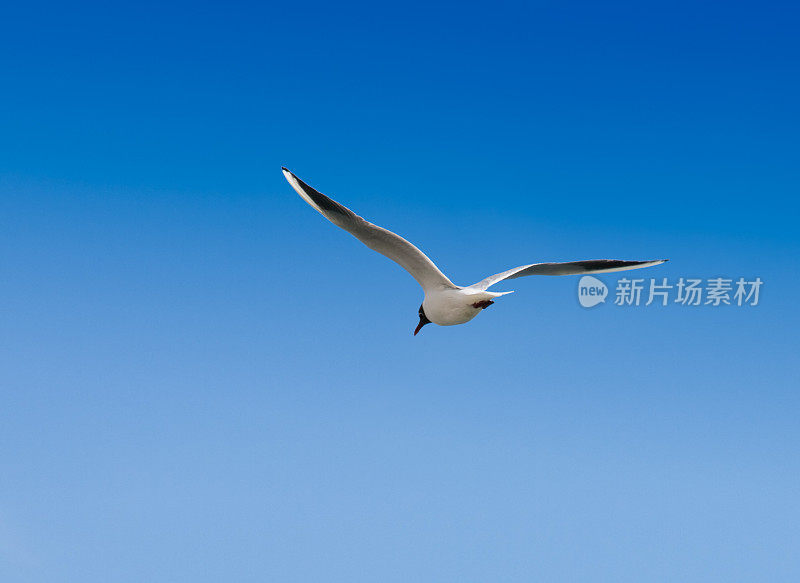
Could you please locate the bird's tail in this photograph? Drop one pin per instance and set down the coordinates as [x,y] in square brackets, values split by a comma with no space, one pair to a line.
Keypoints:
[498,294]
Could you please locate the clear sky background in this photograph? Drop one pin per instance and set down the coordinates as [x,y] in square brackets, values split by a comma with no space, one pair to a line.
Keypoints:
[203,380]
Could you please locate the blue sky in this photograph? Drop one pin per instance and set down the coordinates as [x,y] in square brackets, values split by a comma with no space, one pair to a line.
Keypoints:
[202,380]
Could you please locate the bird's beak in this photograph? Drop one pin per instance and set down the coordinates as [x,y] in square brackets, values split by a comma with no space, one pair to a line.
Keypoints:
[419,326]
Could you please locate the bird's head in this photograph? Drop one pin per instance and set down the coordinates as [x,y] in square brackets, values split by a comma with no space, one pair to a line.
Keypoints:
[423,319]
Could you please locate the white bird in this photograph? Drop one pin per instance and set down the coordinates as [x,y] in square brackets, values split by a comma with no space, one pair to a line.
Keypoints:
[445,303]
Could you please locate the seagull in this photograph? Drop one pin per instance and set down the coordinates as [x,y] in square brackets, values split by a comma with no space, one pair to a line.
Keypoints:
[445,303]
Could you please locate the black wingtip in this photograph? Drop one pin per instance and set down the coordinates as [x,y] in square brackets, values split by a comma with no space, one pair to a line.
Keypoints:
[285,169]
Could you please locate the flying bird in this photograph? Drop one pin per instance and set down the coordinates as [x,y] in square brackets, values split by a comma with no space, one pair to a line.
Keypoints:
[445,303]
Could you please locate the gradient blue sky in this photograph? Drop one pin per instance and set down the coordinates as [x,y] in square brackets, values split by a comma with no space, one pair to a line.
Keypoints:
[202,380]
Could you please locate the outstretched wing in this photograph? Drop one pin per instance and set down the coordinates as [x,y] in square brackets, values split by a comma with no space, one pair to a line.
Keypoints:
[376,238]
[570,268]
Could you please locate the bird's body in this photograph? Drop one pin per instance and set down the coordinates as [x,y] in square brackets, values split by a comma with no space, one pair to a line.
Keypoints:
[445,303]
[448,307]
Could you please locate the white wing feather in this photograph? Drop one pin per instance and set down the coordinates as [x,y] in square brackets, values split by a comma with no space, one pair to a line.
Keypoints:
[376,238]
[569,268]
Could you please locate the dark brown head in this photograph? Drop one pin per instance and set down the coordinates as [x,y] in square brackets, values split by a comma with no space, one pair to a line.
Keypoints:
[423,319]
